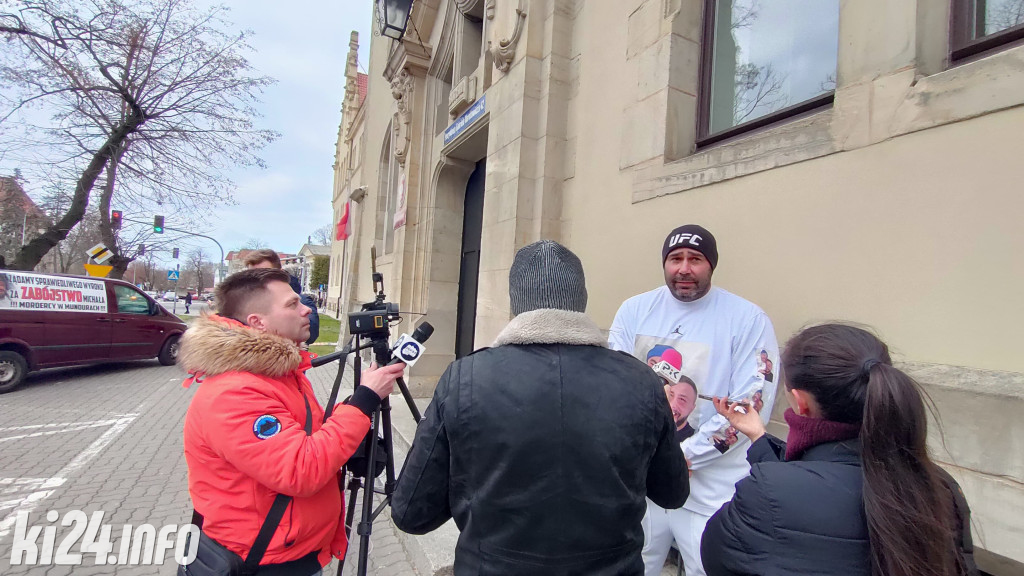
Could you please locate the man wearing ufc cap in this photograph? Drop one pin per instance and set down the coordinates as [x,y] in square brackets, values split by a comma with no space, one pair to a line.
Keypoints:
[720,337]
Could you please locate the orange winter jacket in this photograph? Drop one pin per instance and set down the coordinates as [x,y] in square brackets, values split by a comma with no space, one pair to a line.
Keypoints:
[245,442]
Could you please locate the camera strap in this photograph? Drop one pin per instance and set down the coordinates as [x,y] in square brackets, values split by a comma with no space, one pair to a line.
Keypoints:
[273,519]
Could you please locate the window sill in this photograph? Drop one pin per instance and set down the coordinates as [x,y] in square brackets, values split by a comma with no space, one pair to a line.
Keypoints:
[863,114]
[792,141]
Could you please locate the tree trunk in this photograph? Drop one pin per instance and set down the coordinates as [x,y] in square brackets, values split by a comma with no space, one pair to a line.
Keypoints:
[30,254]
[118,260]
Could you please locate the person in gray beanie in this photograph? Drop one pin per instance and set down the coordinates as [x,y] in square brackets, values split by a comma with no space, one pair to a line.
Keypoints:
[544,446]
[546,274]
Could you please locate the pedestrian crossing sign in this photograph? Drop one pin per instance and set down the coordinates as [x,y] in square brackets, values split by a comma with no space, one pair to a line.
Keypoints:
[172,275]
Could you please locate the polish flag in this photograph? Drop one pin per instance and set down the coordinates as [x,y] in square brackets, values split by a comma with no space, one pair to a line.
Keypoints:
[344,229]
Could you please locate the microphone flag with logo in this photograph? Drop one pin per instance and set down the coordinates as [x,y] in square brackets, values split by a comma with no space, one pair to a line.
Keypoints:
[408,349]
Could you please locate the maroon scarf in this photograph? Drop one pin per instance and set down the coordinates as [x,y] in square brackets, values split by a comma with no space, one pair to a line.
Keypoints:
[806,432]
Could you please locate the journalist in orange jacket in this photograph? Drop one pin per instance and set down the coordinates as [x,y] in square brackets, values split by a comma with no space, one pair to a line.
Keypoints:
[245,438]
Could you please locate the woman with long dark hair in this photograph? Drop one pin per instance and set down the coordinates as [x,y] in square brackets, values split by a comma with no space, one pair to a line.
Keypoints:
[853,491]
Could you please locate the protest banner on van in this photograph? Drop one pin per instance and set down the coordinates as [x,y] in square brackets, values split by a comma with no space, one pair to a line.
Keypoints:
[37,292]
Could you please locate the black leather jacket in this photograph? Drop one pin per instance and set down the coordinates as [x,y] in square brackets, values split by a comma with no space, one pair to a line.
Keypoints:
[543,453]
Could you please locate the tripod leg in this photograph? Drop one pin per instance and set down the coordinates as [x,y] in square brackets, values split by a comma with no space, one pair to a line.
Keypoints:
[366,523]
[389,449]
[357,367]
[353,491]
[408,400]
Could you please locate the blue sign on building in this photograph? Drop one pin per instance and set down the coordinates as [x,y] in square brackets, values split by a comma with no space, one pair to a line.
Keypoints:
[466,120]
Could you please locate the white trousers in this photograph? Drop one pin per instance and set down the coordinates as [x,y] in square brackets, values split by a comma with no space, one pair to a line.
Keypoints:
[661,527]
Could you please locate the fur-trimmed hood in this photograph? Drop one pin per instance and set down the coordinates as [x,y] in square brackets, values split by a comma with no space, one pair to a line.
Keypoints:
[215,345]
[551,326]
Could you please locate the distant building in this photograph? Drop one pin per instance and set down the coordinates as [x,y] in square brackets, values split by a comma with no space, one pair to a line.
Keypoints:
[307,257]
[20,220]
[348,173]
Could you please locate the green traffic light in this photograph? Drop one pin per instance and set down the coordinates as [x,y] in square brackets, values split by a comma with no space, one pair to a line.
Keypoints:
[158,224]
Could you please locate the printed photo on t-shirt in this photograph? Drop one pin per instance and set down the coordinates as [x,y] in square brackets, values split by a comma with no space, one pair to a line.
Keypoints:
[682,367]
[765,366]
[727,436]
[767,371]
[682,399]
[724,439]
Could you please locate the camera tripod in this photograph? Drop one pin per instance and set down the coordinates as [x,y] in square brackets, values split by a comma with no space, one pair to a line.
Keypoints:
[376,453]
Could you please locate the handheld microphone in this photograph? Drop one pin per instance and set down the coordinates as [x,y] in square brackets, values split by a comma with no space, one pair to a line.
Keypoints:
[668,372]
[408,349]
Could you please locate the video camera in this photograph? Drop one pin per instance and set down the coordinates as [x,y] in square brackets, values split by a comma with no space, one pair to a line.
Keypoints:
[373,319]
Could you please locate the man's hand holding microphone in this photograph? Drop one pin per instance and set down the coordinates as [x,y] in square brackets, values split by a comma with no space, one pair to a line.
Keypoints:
[382,379]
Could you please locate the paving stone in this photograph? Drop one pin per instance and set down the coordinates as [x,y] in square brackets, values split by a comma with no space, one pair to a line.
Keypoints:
[140,475]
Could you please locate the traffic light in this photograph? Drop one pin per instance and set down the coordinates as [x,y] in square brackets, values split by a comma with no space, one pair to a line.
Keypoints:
[175,253]
[142,249]
[115,219]
[158,224]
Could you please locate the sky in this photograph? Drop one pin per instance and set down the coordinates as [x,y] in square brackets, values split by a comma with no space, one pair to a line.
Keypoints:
[303,45]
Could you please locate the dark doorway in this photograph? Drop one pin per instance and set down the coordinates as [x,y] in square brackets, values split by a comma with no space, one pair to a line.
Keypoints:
[469,271]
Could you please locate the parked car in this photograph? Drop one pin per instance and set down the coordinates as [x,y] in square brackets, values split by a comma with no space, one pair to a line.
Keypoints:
[169,296]
[50,320]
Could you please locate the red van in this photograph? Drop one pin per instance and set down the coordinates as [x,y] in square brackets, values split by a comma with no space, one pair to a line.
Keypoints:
[49,320]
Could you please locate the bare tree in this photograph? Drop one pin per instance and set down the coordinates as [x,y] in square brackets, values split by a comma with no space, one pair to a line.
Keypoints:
[71,252]
[199,263]
[758,89]
[744,13]
[1003,14]
[322,235]
[255,244]
[149,267]
[158,87]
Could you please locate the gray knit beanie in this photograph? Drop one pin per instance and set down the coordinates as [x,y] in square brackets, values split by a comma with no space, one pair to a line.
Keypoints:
[546,274]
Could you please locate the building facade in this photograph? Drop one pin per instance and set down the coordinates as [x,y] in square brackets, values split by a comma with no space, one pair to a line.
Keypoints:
[307,259]
[855,160]
[21,219]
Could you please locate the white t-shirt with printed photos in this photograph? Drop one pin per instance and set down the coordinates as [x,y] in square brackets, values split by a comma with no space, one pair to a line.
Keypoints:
[716,341]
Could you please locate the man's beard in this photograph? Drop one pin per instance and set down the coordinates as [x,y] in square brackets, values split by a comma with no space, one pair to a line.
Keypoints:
[697,292]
